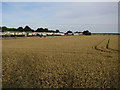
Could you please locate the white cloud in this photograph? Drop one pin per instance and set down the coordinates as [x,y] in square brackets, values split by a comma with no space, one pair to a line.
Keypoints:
[64,16]
[86,13]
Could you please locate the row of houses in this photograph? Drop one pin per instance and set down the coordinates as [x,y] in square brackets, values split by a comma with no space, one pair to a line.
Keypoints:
[34,34]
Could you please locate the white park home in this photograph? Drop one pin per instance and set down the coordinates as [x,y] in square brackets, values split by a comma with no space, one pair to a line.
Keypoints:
[43,34]
[30,34]
[19,33]
[59,34]
[77,33]
[13,33]
[0,34]
[49,33]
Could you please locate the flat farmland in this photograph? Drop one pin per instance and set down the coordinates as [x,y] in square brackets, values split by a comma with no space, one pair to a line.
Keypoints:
[60,62]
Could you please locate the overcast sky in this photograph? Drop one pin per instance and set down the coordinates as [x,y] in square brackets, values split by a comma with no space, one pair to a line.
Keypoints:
[75,16]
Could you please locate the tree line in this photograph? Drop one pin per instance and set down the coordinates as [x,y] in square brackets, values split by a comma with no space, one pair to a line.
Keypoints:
[28,29]
[86,32]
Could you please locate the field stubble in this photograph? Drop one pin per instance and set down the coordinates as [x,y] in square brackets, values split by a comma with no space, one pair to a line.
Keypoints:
[54,62]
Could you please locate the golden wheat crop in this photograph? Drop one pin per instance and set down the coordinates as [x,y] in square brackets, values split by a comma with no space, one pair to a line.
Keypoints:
[57,62]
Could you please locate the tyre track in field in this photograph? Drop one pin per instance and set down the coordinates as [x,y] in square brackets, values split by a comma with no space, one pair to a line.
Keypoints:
[99,49]
[106,47]
[96,46]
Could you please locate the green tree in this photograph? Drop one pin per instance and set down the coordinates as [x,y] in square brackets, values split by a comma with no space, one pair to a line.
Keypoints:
[46,29]
[69,32]
[27,29]
[86,32]
[20,29]
[0,29]
[40,30]
[4,29]
[57,31]
[12,29]
[32,30]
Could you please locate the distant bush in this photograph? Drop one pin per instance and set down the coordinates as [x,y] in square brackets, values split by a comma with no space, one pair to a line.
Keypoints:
[20,29]
[86,32]
[27,29]
[57,30]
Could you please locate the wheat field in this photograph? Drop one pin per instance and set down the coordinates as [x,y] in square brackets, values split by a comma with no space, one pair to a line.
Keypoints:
[60,62]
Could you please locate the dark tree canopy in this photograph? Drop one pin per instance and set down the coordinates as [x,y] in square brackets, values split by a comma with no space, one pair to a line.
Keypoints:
[27,29]
[4,29]
[40,30]
[86,32]
[57,30]
[0,29]
[46,29]
[8,29]
[69,32]
[20,29]
[12,29]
